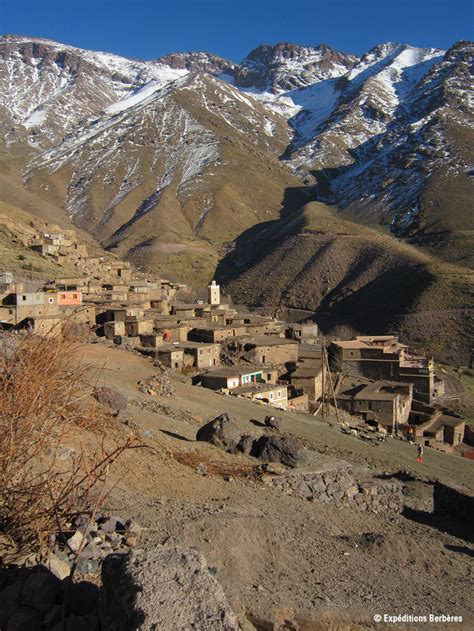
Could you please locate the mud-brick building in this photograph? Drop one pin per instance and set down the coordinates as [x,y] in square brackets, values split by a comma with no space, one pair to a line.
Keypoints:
[21,305]
[307,374]
[216,333]
[272,393]
[189,355]
[171,356]
[304,333]
[441,431]
[203,355]
[135,327]
[269,350]
[114,328]
[387,403]
[385,357]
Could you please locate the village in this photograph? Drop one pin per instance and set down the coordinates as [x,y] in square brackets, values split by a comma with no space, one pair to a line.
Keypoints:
[374,380]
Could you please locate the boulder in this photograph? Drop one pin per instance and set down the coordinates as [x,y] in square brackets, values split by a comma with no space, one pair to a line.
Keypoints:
[246,444]
[274,422]
[220,432]
[280,449]
[40,591]
[110,398]
[25,619]
[83,623]
[82,598]
[9,602]
[165,587]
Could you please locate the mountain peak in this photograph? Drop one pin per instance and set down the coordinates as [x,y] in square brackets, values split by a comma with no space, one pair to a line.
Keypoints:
[197,61]
[285,66]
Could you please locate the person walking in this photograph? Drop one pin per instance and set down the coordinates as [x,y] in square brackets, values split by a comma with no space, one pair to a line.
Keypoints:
[420,454]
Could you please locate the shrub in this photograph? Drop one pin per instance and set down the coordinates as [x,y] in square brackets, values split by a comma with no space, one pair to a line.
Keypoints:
[54,456]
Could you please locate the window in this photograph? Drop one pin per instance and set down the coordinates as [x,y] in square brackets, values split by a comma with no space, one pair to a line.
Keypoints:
[74,295]
[23,297]
[50,300]
[271,396]
[279,394]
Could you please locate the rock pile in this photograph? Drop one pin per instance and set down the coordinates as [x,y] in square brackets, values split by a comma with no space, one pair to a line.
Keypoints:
[339,487]
[90,544]
[224,433]
[158,385]
[166,587]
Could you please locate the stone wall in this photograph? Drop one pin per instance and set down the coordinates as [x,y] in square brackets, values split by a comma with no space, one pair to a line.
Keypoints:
[339,487]
[453,501]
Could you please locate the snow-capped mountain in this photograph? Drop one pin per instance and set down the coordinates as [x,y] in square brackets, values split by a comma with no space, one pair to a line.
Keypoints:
[286,66]
[194,146]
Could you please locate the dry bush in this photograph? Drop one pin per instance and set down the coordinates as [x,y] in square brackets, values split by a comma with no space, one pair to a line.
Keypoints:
[54,455]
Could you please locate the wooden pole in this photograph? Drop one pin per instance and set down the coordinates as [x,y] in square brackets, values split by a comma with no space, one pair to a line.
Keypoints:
[323,385]
[332,386]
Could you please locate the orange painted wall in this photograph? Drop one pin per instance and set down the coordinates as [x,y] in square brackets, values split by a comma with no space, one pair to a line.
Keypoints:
[69,298]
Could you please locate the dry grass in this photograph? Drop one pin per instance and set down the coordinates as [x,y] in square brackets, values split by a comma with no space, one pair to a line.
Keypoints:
[54,452]
[214,467]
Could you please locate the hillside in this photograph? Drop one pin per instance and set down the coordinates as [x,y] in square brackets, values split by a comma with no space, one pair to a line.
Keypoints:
[346,273]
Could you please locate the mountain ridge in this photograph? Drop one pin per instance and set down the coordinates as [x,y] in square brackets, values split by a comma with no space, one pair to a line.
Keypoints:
[171,162]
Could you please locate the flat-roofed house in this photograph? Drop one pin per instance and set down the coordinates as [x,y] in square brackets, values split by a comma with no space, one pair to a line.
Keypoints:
[271,393]
[269,349]
[229,377]
[135,327]
[114,328]
[388,403]
[171,356]
[385,357]
[216,333]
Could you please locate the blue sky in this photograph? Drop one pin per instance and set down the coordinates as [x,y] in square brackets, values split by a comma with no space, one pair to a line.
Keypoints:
[146,29]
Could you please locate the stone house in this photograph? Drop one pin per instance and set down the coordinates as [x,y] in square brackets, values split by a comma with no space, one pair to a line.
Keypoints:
[384,357]
[270,350]
[388,403]
[171,356]
[114,328]
[30,305]
[135,327]
[303,333]
[441,431]
[215,333]
[152,340]
[271,393]
[203,355]
[307,375]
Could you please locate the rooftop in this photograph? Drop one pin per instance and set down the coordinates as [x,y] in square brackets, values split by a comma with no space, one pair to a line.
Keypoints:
[235,371]
[373,391]
[269,340]
[258,387]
